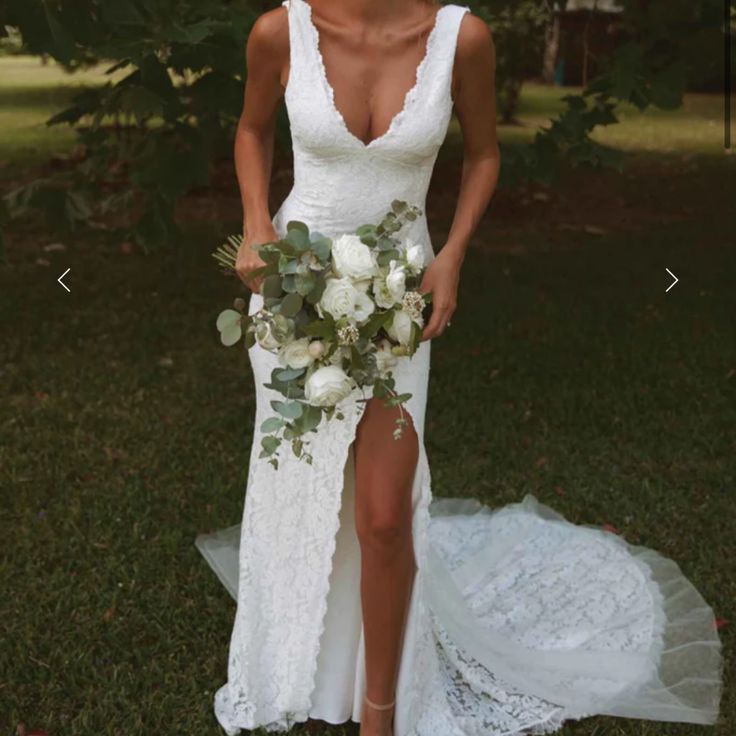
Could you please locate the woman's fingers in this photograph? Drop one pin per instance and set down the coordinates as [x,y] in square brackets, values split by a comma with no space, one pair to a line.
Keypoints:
[438,321]
[442,310]
[245,272]
[243,275]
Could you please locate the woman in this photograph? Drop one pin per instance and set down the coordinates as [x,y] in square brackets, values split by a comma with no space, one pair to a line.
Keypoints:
[353,602]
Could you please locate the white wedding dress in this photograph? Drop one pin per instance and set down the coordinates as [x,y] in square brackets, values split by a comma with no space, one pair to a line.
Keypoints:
[518,619]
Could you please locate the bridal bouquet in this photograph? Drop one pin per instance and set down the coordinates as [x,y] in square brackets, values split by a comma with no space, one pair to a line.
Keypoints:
[338,313]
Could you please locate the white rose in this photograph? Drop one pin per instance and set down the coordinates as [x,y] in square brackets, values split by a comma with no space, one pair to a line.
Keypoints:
[341,299]
[352,258]
[265,337]
[316,349]
[327,386]
[382,294]
[396,280]
[338,298]
[400,329]
[364,307]
[296,354]
[385,360]
[415,257]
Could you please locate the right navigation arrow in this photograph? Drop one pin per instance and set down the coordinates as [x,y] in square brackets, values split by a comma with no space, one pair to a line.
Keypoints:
[673,283]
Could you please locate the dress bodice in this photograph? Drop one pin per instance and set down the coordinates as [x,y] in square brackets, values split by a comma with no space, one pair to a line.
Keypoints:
[340,182]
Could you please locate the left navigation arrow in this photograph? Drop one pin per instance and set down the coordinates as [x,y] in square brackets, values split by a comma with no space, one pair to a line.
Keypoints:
[61,277]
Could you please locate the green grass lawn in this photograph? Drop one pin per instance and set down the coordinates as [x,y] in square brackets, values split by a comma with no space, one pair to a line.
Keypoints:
[30,93]
[125,427]
[696,127]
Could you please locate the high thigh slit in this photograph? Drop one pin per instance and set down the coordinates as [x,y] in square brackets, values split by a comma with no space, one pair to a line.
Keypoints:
[340,680]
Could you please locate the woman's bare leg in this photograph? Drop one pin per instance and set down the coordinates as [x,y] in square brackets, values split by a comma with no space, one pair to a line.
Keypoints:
[384,470]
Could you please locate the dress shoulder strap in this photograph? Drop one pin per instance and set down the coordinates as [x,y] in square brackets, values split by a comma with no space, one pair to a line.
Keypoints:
[302,50]
[441,55]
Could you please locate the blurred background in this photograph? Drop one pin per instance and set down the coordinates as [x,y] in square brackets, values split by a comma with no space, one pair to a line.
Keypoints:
[574,373]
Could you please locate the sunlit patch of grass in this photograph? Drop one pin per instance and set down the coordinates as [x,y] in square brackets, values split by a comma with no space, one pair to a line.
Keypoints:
[30,93]
[696,127]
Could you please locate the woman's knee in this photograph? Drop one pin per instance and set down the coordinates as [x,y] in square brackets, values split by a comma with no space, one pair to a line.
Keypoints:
[384,529]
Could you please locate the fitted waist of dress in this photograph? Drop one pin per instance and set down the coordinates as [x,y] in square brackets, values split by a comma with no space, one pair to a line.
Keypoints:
[354,190]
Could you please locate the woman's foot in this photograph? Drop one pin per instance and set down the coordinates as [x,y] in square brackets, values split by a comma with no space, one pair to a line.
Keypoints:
[376,719]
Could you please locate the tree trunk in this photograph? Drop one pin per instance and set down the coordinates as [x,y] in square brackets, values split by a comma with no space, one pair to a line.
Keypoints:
[510,100]
[551,48]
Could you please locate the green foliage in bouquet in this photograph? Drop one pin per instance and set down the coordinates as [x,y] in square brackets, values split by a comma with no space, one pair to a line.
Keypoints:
[339,314]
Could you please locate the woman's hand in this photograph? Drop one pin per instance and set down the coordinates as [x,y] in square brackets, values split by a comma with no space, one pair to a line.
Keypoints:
[441,279]
[248,259]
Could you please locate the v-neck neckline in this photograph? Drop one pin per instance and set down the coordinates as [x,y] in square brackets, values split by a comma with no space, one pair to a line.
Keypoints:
[410,95]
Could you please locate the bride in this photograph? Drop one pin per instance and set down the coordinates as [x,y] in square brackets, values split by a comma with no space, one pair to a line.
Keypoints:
[357,598]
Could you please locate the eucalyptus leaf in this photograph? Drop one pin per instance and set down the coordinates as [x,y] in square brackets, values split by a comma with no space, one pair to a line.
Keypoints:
[288,283]
[299,239]
[297,225]
[288,374]
[311,418]
[305,282]
[317,290]
[272,424]
[291,304]
[231,334]
[227,318]
[269,254]
[288,265]
[270,444]
[272,286]
[285,247]
[322,249]
[385,257]
[288,409]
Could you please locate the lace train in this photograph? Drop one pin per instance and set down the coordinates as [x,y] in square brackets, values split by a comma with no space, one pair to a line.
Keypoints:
[536,620]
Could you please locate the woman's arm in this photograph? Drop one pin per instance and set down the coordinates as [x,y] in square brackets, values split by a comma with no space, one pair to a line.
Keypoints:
[267,56]
[475,103]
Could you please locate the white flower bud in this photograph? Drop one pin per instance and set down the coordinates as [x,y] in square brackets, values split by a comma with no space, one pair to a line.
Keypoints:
[316,349]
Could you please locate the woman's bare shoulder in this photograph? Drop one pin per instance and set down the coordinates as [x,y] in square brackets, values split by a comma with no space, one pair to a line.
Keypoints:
[474,37]
[270,33]
[475,53]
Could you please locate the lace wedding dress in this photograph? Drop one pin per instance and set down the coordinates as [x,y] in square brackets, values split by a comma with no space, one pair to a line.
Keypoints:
[518,619]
